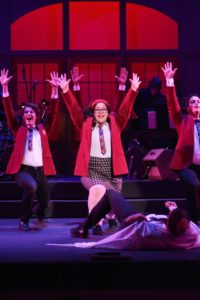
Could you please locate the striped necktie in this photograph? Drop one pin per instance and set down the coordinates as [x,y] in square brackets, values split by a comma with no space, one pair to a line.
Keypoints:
[102,141]
[30,139]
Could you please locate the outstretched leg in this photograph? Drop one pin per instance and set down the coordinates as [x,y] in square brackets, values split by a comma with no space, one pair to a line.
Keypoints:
[112,200]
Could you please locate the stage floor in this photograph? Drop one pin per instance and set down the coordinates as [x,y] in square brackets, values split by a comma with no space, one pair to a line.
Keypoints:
[49,245]
[29,265]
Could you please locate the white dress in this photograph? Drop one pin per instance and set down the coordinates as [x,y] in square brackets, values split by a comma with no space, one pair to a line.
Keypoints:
[151,234]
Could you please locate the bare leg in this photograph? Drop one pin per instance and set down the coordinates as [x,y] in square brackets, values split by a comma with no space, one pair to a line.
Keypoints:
[96,192]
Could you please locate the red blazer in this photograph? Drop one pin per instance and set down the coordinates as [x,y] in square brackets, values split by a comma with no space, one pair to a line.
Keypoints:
[20,133]
[117,123]
[184,125]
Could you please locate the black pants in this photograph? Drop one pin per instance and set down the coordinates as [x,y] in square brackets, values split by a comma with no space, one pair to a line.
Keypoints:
[191,179]
[112,200]
[34,182]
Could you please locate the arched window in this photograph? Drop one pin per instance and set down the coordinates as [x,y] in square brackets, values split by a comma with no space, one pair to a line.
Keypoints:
[98,27]
[40,29]
[94,25]
[147,28]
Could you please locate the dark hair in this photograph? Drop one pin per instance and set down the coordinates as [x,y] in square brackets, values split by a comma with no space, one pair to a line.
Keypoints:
[87,112]
[155,83]
[190,96]
[175,217]
[33,106]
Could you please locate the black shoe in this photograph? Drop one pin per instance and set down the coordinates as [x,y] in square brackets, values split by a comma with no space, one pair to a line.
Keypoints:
[113,225]
[97,230]
[79,231]
[24,226]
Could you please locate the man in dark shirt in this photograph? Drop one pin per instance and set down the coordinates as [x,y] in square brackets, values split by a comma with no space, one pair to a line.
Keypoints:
[151,99]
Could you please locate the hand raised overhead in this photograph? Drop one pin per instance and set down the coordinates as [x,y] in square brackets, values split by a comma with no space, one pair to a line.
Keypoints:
[168,71]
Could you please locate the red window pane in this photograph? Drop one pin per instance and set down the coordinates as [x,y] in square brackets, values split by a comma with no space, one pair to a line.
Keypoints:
[94,25]
[109,72]
[22,94]
[148,28]
[95,91]
[95,72]
[139,68]
[110,95]
[98,82]
[84,99]
[152,70]
[32,85]
[24,72]
[147,71]
[40,29]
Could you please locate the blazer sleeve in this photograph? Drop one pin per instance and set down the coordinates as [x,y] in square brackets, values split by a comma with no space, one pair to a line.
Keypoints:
[74,109]
[51,117]
[125,109]
[10,115]
[174,107]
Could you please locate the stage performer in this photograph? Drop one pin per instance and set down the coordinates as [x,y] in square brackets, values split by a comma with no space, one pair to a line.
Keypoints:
[100,160]
[186,158]
[31,161]
[137,231]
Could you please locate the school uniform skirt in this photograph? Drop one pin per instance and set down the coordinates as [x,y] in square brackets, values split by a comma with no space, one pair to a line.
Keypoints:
[100,172]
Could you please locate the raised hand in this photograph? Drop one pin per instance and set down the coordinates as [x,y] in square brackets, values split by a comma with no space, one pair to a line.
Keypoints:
[171,205]
[54,82]
[64,83]
[168,70]
[122,78]
[135,82]
[75,76]
[4,79]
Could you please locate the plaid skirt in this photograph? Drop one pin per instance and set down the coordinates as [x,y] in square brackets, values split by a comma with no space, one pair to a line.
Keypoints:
[100,172]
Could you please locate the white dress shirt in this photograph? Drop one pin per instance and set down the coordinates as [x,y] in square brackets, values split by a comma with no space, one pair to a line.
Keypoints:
[95,150]
[33,158]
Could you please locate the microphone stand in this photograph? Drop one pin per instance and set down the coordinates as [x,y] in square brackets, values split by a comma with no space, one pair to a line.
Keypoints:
[46,103]
[26,83]
[33,90]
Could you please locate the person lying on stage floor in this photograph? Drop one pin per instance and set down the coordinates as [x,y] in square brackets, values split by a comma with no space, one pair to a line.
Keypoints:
[139,231]
[31,161]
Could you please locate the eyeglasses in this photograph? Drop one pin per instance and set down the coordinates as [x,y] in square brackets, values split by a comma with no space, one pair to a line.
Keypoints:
[194,101]
[29,112]
[100,109]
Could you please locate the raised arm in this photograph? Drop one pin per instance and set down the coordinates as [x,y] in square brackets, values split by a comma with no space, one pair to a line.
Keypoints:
[71,102]
[172,100]
[121,79]
[126,106]
[76,77]
[8,108]
[51,111]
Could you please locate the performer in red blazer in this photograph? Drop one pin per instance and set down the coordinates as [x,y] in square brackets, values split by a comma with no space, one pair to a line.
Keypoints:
[186,158]
[31,159]
[100,161]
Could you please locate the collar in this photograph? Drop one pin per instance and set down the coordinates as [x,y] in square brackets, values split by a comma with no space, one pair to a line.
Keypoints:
[101,125]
